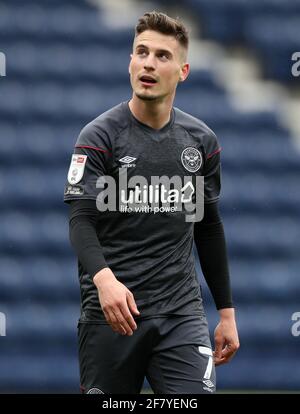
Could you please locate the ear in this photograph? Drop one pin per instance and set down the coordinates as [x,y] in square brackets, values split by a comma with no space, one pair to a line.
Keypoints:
[130,62]
[184,72]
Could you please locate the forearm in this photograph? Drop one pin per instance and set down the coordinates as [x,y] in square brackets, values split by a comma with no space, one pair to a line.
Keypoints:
[211,246]
[84,239]
[116,300]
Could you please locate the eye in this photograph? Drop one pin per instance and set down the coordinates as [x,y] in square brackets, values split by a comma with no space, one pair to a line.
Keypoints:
[141,52]
[163,56]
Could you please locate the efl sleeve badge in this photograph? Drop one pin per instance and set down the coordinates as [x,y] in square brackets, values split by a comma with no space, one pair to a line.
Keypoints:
[76,169]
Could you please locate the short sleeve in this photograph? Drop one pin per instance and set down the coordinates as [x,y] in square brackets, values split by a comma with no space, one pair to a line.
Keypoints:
[212,168]
[90,160]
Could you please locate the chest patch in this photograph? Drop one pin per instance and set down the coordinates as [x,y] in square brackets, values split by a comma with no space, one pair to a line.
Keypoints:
[191,159]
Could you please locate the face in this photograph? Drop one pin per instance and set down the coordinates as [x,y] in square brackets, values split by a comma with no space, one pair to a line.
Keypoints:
[157,65]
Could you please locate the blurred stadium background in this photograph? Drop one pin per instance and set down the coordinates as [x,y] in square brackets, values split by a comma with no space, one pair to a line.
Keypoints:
[66,63]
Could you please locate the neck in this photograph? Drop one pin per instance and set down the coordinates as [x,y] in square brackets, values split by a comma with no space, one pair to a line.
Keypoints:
[152,113]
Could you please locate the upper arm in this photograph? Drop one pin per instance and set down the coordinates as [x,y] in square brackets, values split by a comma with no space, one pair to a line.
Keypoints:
[212,169]
[91,159]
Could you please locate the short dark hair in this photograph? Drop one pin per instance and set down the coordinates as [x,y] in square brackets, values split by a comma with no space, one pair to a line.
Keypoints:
[162,23]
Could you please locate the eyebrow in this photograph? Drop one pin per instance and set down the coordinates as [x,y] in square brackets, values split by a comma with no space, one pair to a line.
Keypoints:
[158,50]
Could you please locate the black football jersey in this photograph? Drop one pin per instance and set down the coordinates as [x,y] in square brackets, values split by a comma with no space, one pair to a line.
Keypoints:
[144,182]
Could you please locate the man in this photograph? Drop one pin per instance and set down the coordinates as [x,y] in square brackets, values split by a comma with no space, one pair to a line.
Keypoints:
[141,306]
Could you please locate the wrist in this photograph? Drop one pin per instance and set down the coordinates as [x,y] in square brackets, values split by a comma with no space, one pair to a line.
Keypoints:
[102,275]
[227,313]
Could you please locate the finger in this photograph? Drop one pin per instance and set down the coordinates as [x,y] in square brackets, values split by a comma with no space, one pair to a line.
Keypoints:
[131,304]
[112,320]
[129,320]
[115,325]
[128,317]
[121,321]
[216,358]
[110,317]
[227,355]
[228,352]
[222,361]
[218,349]
[219,362]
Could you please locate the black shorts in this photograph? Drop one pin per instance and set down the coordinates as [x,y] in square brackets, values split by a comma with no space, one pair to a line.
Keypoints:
[173,353]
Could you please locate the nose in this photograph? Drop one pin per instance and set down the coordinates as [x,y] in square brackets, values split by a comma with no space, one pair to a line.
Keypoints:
[149,63]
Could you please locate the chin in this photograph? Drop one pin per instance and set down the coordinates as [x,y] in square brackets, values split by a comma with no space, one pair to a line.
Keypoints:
[146,97]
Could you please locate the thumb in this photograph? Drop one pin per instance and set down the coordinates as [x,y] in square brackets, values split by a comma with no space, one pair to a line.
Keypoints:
[131,304]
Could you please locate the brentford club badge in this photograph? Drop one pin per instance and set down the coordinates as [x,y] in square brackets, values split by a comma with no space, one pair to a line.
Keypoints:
[76,169]
[191,159]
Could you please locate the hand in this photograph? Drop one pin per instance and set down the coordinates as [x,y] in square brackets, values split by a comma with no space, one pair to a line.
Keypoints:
[226,337]
[117,302]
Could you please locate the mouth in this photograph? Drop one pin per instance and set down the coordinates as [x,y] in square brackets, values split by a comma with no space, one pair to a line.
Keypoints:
[148,80]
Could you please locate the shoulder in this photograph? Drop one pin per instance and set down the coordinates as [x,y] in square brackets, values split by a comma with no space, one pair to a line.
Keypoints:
[104,128]
[197,128]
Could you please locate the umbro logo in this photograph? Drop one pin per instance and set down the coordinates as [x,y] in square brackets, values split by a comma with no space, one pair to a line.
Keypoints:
[208,383]
[127,161]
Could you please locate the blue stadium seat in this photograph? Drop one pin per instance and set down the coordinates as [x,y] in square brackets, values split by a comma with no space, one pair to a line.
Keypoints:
[33,22]
[62,63]
[62,103]
[36,322]
[255,151]
[263,32]
[35,277]
[258,24]
[256,192]
[25,233]
[262,236]
[266,281]
[39,373]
